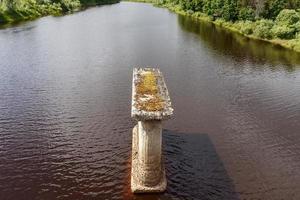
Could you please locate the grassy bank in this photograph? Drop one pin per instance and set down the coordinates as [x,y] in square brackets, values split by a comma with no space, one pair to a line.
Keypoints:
[286,25]
[20,10]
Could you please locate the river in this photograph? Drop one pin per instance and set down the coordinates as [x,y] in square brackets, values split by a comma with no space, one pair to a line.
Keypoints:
[65,97]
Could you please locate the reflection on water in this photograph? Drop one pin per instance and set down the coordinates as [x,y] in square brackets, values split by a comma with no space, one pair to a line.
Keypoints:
[240,47]
[65,91]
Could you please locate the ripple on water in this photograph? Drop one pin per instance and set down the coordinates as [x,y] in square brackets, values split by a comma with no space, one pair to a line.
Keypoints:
[65,127]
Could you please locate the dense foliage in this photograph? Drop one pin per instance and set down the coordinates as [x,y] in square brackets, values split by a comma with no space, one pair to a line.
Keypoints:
[238,9]
[15,10]
[276,20]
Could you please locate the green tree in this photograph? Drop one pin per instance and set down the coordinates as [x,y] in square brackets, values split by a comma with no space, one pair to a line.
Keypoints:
[287,17]
[262,29]
[246,13]
[273,7]
[229,12]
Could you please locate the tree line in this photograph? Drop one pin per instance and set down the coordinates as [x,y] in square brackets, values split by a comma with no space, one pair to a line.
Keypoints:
[275,20]
[233,10]
[16,10]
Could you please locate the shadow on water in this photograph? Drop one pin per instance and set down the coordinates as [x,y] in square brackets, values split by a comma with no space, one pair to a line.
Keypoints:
[194,169]
[239,47]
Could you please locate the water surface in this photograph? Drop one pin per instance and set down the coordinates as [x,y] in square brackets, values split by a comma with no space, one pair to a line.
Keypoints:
[65,92]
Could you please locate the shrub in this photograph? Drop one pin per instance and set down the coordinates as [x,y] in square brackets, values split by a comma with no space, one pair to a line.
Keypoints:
[220,21]
[190,12]
[287,17]
[197,5]
[246,14]
[262,28]
[272,8]
[3,17]
[229,11]
[296,26]
[247,27]
[69,5]
[207,7]
[283,32]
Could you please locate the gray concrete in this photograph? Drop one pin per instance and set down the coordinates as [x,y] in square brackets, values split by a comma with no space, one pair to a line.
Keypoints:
[141,115]
[148,171]
[145,176]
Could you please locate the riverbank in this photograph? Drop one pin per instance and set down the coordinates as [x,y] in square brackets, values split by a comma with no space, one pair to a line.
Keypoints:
[29,10]
[245,28]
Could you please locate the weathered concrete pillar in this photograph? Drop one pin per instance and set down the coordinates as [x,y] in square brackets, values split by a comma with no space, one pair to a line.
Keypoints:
[149,152]
[150,105]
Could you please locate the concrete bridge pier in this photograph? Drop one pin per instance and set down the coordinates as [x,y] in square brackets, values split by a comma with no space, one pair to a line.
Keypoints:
[148,171]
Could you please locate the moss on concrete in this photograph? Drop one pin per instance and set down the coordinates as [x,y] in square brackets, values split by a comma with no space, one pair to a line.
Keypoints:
[147,93]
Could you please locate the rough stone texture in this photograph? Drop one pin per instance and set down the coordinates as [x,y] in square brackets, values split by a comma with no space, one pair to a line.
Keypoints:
[148,171]
[138,180]
[149,152]
[142,115]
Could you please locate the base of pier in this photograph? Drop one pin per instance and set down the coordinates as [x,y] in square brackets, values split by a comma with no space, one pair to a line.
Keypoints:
[136,185]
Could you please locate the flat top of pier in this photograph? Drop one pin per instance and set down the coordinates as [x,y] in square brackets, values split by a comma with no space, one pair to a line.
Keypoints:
[150,97]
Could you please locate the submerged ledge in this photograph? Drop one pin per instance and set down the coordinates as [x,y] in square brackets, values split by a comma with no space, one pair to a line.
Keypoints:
[224,24]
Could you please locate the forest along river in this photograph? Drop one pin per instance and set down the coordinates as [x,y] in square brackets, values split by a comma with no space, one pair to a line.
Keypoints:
[65,95]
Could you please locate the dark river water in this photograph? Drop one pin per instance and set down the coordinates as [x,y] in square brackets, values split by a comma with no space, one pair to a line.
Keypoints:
[65,96]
